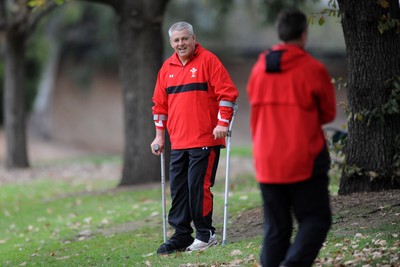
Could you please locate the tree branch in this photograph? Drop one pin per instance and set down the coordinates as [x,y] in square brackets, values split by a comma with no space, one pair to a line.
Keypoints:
[51,5]
[39,13]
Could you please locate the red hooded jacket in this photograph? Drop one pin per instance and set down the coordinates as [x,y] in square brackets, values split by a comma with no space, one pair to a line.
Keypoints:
[291,97]
[189,96]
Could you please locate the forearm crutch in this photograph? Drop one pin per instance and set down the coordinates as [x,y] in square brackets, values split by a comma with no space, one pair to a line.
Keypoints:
[228,150]
[164,214]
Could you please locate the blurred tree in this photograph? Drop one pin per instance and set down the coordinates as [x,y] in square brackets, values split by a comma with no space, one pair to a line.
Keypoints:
[140,57]
[40,118]
[79,37]
[17,22]
[372,37]
[140,41]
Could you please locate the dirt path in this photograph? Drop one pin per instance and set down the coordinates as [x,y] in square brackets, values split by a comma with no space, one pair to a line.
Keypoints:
[351,214]
[61,161]
[44,151]
[47,160]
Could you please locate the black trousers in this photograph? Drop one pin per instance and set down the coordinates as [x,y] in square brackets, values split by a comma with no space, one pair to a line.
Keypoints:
[192,174]
[310,203]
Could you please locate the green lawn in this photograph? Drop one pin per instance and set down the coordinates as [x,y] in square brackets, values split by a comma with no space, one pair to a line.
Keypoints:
[90,223]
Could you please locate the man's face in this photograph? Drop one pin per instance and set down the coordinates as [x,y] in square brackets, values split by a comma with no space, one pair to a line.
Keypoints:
[183,43]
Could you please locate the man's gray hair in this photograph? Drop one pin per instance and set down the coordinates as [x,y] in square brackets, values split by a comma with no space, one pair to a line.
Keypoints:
[179,26]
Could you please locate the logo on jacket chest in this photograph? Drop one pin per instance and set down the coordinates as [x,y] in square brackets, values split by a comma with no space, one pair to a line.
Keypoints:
[193,71]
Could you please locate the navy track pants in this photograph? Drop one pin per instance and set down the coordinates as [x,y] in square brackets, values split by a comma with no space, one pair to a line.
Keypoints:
[192,174]
[310,203]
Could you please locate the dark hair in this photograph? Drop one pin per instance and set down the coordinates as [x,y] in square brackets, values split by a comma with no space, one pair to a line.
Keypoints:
[291,24]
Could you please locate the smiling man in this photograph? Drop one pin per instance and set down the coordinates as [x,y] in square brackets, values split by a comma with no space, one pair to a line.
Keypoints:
[193,100]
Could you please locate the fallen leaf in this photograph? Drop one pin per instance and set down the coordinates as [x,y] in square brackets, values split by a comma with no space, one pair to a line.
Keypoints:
[358,235]
[88,220]
[236,252]
[148,255]
[249,245]
[63,258]
[236,263]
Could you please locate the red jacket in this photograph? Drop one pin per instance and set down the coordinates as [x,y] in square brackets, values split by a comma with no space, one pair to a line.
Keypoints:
[189,95]
[291,97]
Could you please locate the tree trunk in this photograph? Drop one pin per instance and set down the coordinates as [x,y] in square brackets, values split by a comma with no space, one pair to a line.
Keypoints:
[373,145]
[141,53]
[14,100]
[41,118]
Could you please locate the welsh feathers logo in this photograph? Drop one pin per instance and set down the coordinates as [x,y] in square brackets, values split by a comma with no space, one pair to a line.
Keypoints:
[193,71]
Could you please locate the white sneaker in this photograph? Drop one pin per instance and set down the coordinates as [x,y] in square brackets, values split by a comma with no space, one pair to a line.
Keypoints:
[200,245]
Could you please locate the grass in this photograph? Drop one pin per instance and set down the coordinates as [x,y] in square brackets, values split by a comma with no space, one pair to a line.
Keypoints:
[238,151]
[90,223]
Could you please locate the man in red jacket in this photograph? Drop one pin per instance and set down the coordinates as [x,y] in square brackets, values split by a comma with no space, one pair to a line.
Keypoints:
[193,99]
[291,97]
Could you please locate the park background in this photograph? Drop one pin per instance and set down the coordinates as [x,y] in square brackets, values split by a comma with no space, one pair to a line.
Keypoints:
[67,210]
[82,112]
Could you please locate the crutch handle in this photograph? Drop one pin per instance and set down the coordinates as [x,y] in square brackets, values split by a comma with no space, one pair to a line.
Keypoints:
[156,147]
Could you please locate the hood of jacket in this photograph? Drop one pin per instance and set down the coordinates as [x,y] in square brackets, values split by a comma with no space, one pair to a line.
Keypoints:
[283,57]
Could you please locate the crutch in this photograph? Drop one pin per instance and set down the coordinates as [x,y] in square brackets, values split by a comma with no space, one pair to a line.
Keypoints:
[164,215]
[228,150]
